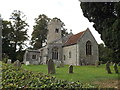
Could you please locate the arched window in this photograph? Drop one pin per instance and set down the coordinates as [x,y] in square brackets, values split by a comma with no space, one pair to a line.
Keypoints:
[88,48]
[55,53]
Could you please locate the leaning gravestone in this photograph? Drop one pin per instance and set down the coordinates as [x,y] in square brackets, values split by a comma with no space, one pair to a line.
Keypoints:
[115,68]
[51,66]
[71,69]
[17,64]
[9,61]
[108,67]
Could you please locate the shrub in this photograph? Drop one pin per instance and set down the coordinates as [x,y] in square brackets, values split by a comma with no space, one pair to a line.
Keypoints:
[14,78]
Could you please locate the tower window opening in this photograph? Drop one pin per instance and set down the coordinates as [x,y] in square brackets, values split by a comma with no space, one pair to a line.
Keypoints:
[56,30]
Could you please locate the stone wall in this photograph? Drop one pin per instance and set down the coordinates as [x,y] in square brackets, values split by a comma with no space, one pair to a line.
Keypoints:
[73,60]
[29,57]
[53,45]
[82,48]
[78,51]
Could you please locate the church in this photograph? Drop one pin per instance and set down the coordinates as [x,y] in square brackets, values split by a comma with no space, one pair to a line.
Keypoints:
[78,49]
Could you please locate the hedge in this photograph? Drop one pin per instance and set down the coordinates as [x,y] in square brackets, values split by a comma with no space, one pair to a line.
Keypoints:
[13,77]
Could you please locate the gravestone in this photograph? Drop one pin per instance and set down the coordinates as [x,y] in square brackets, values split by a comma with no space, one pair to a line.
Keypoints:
[71,69]
[17,64]
[51,66]
[62,64]
[97,63]
[27,63]
[9,61]
[108,67]
[112,63]
[58,64]
[115,68]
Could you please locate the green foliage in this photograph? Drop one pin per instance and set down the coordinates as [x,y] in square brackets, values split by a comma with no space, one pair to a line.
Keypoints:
[106,19]
[7,48]
[105,54]
[14,34]
[14,78]
[39,34]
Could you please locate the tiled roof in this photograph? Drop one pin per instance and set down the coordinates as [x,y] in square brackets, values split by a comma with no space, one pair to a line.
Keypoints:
[74,38]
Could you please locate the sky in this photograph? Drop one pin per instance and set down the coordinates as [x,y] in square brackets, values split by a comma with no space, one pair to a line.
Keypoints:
[69,11]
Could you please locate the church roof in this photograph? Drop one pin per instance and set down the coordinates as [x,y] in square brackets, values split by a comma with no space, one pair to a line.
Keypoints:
[74,38]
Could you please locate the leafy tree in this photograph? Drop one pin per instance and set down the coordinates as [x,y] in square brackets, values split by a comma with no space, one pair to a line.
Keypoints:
[7,47]
[39,31]
[14,34]
[105,53]
[106,18]
[39,34]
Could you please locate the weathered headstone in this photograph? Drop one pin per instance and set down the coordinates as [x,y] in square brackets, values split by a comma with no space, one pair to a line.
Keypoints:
[62,64]
[17,64]
[58,64]
[115,68]
[97,63]
[71,69]
[51,66]
[27,63]
[108,67]
[112,63]
[9,61]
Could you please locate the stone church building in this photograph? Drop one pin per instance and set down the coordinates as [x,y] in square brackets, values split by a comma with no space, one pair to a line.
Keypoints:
[78,49]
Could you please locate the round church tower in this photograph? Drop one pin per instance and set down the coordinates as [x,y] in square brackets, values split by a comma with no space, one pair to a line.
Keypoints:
[54,31]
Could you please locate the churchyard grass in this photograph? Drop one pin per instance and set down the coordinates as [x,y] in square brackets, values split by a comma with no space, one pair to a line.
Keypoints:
[84,74]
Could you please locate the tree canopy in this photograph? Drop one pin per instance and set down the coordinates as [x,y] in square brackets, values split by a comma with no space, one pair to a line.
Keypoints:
[39,31]
[106,19]
[14,34]
[105,53]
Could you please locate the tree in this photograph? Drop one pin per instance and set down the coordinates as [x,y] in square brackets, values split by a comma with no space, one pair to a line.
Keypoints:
[39,34]
[106,18]
[7,49]
[39,31]
[14,34]
[105,53]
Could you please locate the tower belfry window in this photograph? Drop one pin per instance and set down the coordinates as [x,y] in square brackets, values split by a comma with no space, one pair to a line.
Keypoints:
[56,30]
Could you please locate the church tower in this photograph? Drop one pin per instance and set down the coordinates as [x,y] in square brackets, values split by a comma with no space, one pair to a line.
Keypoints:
[54,31]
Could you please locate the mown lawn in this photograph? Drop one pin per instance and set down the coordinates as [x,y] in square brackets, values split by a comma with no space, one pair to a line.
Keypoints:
[81,73]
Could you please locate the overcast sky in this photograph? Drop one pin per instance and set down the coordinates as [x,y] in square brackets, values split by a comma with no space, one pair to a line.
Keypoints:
[68,11]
